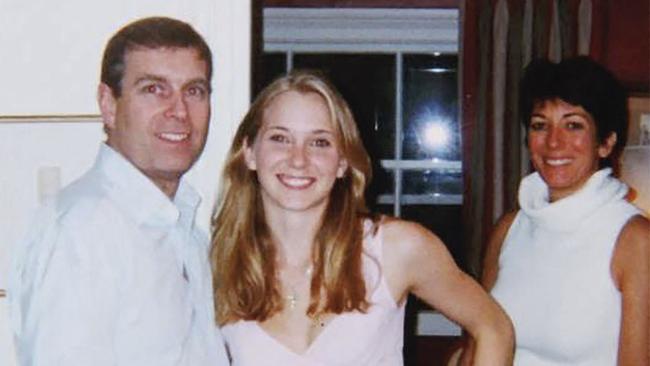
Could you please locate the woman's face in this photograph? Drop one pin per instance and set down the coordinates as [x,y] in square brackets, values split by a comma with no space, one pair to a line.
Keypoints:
[296,153]
[564,147]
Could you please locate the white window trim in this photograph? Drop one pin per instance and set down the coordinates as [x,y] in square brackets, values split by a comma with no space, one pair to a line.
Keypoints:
[431,164]
[361,30]
[421,199]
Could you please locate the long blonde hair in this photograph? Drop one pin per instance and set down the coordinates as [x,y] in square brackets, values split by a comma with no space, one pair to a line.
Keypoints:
[243,256]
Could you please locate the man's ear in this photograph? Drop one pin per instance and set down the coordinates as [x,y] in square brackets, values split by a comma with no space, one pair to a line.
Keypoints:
[249,155]
[607,146]
[107,105]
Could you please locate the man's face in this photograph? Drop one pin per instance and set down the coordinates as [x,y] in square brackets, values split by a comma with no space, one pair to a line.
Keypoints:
[160,121]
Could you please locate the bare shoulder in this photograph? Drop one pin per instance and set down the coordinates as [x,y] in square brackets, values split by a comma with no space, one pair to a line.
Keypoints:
[637,228]
[407,238]
[632,251]
[630,271]
[635,237]
[412,255]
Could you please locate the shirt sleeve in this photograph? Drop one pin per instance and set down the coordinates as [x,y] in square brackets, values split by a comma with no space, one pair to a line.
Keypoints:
[63,296]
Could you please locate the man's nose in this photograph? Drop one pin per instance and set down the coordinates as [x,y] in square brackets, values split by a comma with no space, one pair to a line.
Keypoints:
[177,107]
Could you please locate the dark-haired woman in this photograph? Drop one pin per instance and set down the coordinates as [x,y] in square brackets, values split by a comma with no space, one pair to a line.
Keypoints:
[572,266]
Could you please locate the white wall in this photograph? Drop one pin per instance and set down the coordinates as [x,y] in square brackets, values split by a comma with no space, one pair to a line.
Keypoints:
[50,63]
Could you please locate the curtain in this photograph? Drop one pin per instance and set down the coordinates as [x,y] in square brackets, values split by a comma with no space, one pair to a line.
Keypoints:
[499,38]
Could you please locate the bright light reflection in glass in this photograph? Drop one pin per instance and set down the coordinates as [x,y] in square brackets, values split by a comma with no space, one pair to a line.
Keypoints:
[439,70]
[436,135]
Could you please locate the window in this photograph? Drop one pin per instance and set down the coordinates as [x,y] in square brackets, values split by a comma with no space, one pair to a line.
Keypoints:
[397,68]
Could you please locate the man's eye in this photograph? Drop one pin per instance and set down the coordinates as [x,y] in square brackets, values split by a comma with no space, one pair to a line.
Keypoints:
[152,88]
[197,91]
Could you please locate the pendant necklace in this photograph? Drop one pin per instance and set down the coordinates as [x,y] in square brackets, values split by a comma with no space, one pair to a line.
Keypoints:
[292,297]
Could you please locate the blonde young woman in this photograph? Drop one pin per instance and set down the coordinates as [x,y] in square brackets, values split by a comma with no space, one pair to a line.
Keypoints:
[303,274]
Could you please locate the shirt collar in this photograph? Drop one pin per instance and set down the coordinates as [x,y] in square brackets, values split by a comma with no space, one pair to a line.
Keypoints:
[139,197]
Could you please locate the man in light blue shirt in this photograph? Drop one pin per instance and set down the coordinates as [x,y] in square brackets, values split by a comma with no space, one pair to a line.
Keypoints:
[114,270]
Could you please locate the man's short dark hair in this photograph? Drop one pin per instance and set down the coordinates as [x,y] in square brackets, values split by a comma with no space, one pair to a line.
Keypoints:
[152,33]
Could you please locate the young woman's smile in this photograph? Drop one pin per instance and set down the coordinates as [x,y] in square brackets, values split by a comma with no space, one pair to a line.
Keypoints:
[296,153]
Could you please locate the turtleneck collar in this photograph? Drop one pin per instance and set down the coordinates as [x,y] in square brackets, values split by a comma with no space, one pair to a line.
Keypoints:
[564,214]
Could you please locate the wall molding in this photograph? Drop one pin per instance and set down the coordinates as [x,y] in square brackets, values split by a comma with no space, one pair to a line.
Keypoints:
[59,118]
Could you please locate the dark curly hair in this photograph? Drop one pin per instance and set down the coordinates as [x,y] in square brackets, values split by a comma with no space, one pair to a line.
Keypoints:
[583,82]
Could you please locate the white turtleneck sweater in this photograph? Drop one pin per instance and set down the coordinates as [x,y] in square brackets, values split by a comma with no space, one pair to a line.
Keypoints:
[555,278]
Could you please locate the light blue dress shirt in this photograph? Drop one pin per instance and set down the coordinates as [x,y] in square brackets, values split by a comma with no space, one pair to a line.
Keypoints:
[112,272]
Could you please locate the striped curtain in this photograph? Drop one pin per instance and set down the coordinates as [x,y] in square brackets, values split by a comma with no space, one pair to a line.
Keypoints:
[499,38]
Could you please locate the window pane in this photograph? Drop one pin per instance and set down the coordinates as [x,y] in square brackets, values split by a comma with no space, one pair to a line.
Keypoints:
[383,209]
[432,182]
[273,65]
[430,108]
[367,82]
[382,187]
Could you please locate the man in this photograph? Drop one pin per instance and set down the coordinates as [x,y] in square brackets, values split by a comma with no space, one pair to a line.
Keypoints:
[113,270]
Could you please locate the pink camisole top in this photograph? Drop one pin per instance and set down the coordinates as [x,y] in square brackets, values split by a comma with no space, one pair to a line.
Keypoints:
[374,338]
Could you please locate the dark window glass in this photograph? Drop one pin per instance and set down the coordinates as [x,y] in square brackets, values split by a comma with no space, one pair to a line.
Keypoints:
[430,108]
[383,179]
[273,65]
[432,182]
[367,82]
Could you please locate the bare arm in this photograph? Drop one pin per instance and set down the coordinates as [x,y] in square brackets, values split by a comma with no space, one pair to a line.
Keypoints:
[493,250]
[490,270]
[415,260]
[631,273]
